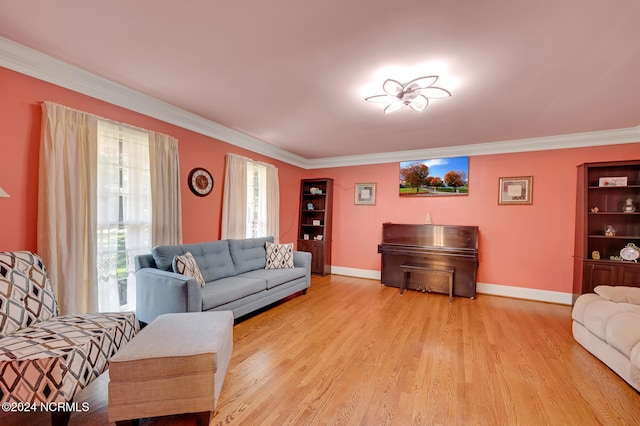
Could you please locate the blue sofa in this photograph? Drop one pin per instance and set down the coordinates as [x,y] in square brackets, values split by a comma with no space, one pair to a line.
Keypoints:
[234,274]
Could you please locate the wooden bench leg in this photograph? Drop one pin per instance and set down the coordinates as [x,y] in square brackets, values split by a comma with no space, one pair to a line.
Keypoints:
[405,281]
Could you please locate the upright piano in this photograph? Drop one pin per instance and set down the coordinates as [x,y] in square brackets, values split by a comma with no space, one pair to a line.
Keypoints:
[438,248]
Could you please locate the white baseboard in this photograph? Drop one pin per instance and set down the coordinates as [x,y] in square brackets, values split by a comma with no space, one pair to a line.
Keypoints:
[353,272]
[526,293]
[482,288]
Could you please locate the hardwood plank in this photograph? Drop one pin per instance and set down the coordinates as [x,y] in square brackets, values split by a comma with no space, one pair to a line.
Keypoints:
[354,352]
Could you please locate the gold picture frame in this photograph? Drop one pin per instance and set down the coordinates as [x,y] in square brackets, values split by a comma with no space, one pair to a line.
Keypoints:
[365,193]
[515,190]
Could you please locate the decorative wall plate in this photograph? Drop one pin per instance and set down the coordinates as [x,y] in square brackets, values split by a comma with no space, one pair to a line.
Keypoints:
[200,182]
[630,252]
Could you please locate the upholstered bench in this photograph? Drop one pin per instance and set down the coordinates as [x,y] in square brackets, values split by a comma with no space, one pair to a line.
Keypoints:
[175,365]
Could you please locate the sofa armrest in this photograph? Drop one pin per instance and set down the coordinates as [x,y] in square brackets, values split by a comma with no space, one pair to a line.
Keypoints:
[161,292]
[302,259]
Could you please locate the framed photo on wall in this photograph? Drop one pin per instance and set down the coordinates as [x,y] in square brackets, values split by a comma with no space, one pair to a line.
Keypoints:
[515,190]
[365,193]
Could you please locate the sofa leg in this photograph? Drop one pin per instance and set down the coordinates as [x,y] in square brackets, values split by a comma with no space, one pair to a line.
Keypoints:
[304,291]
[60,418]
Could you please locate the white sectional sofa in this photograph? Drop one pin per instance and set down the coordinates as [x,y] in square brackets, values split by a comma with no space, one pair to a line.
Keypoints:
[607,324]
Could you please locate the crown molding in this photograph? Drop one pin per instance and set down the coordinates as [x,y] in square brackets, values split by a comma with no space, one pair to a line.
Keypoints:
[35,64]
[575,140]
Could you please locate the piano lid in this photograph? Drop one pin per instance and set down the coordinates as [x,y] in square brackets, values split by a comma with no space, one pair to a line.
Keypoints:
[444,236]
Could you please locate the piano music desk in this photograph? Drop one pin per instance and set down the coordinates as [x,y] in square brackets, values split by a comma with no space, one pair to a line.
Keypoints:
[408,268]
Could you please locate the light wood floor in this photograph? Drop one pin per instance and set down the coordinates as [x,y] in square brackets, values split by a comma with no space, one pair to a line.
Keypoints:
[354,352]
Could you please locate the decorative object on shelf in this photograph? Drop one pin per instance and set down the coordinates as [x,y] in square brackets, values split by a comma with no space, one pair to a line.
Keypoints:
[613,181]
[414,94]
[200,181]
[315,191]
[305,237]
[628,206]
[609,231]
[595,255]
[630,252]
[315,222]
[616,258]
[515,190]
[595,210]
[365,193]
[319,237]
[310,206]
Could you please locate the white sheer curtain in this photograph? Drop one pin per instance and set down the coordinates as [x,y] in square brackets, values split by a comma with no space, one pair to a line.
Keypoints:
[67,206]
[165,194]
[73,221]
[234,201]
[256,200]
[251,200]
[273,202]
[124,212]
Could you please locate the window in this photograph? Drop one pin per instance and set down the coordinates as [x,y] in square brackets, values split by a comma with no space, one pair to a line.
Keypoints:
[256,200]
[124,212]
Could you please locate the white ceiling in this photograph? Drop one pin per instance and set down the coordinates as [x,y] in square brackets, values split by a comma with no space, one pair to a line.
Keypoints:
[294,73]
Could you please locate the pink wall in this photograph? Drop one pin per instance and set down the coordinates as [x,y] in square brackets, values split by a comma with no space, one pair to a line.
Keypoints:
[20,117]
[523,245]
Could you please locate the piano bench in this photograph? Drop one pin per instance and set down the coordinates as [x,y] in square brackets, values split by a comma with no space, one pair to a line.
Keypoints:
[408,268]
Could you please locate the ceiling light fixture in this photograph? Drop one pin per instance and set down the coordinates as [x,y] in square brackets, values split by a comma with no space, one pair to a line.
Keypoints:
[3,193]
[415,94]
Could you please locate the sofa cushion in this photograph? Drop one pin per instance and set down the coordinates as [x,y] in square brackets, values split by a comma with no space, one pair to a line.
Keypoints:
[26,297]
[249,254]
[279,256]
[276,277]
[229,289]
[187,265]
[623,331]
[617,324]
[213,258]
[619,293]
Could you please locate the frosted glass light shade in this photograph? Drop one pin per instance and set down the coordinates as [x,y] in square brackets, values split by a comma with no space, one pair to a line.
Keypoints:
[3,193]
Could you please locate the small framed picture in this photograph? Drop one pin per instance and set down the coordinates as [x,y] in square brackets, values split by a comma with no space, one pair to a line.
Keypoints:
[365,193]
[315,222]
[515,190]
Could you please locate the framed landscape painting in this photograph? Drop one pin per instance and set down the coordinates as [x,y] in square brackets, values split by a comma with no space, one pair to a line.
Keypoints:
[435,177]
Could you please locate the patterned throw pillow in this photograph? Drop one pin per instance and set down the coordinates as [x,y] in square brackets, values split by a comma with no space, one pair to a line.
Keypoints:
[186,265]
[279,256]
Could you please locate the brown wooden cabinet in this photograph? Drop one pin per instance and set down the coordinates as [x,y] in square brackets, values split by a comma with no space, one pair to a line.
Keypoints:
[315,222]
[604,226]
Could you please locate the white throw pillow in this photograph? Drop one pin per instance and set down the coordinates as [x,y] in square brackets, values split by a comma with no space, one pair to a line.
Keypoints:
[620,294]
[186,265]
[279,256]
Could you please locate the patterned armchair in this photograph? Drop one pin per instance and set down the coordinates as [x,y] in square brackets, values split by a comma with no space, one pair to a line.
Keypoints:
[46,358]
